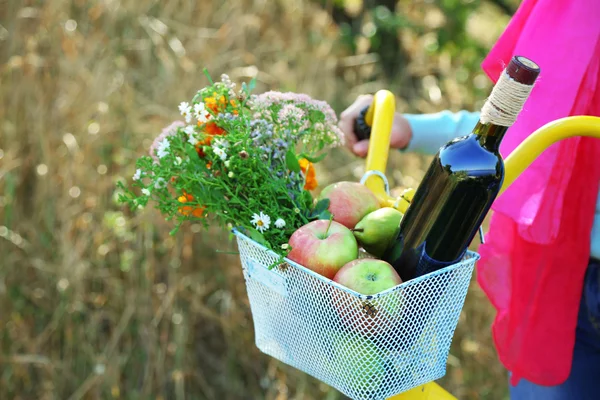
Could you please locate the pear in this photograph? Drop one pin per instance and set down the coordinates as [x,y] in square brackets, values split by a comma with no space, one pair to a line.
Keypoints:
[377,230]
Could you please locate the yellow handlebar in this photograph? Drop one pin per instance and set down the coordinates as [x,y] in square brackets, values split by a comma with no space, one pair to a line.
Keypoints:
[544,137]
[380,117]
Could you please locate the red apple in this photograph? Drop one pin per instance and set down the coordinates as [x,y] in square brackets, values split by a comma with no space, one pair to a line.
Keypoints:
[349,202]
[323,246]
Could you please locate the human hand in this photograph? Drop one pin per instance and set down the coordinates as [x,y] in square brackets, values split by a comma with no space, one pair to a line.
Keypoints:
[400,135]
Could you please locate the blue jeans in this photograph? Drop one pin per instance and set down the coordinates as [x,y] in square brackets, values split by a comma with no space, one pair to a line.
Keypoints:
[584,381]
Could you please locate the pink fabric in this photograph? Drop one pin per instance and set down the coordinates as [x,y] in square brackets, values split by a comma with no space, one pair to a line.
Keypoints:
[538,245]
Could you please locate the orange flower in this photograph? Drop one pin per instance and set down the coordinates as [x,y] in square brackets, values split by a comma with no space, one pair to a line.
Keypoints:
[309,172]
[234,105]
[197,212]
[214,104]
[213,129]
[204,142]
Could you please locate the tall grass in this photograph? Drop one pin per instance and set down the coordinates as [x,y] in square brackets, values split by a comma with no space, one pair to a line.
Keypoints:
[99,303]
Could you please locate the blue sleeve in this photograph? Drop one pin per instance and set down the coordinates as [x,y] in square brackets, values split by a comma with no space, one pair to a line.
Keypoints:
[432,131]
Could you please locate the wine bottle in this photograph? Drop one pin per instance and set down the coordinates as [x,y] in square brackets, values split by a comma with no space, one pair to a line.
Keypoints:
[461,183]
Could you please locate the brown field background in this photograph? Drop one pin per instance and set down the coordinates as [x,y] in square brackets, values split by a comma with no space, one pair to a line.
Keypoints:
[96,303]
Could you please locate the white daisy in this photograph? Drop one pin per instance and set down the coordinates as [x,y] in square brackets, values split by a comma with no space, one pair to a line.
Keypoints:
[261,221]
[145,192]
[162,148]
[186,110]
[200,112]
[137,175]
[227,164]
[221,143]
[189,130]
[160,183]
[191,133]
[220,153]
[280,223]
[230,174]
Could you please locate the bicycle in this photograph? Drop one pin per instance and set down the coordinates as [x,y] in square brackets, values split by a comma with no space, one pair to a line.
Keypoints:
[380,116]
[374,347]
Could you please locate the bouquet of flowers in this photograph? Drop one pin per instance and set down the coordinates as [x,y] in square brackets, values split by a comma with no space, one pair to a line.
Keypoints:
[240,160]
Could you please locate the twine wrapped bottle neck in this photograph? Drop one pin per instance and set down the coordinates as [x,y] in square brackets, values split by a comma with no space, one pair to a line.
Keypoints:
[505,102]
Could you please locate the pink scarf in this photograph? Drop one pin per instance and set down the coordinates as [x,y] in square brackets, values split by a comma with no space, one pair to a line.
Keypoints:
[538,245]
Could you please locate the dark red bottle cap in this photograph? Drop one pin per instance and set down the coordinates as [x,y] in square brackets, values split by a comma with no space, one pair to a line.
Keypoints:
[523,70]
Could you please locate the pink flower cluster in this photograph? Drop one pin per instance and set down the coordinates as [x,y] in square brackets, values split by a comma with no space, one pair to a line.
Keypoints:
[290,111]
[303,101]
[267,99]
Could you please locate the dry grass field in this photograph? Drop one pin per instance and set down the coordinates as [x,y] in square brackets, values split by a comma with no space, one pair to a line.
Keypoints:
[98,303]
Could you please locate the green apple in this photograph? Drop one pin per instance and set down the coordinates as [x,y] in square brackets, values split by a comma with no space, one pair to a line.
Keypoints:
[355,361]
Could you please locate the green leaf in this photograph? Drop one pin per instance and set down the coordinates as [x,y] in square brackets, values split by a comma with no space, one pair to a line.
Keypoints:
[292,162]
[205,70]
[325,215]
[307,198]
[252,85]
[322,205]
[316,116]
[257,236]
[175,230]
[313,160]
[191,151]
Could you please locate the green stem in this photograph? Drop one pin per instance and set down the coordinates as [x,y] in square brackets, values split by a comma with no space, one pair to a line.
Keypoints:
[329,225]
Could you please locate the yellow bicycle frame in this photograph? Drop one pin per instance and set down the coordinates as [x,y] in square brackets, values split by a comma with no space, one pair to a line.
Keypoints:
[380,117]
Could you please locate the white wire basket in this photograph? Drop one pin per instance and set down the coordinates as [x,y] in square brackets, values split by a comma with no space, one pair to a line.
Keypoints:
[367,347]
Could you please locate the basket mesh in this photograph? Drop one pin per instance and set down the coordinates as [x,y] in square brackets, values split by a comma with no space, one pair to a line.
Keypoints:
[367,347]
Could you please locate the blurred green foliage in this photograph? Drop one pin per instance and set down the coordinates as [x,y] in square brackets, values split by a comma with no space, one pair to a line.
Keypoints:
[385,25]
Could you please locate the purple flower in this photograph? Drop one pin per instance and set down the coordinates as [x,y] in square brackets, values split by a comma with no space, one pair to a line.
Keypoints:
[227,117]
[260,128]
[282,144]
[278,154]
[266,149]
